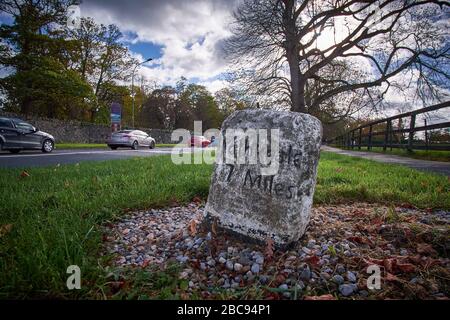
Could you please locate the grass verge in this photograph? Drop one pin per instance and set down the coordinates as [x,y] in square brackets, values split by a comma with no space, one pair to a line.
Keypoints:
[50,219]
[431,155]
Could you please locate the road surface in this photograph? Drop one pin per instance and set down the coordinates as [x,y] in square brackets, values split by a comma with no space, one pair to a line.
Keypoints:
[38,159]
[424,165]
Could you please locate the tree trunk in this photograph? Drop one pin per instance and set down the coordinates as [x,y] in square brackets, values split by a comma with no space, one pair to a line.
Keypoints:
[292,56]
[297,85]
[25,105]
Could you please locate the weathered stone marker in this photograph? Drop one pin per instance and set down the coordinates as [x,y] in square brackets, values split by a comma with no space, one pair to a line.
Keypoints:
[271,197]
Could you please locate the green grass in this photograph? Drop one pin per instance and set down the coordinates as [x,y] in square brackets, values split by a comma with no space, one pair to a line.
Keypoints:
[165,145]
[54,214]
[343,178]
[432,155]
[98,145]
[80,145]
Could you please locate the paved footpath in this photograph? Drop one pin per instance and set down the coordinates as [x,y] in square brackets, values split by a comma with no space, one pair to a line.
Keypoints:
[424,165]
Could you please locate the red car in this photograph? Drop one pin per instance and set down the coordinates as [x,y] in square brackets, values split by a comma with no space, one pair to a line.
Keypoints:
[199,141]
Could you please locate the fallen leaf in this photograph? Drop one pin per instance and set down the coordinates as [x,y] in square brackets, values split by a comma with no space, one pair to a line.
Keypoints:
[389,264]
[370,261]
[313,260]
[280,279]
[5,229]
[193,227]
[269,248]
[24,174]
[213,228]
[197,200]
[358,212]
[425,248]
[390,277]
[359,240]
[184,296]
[195,264]
[406,267]
[428,262]
[145,263]
[377,221]
[322,297]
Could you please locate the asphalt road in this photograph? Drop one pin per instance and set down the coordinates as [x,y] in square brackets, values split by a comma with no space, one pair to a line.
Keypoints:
[38,159]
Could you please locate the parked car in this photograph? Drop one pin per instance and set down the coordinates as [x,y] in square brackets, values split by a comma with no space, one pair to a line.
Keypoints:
[17,135]
[130,139]
[199,141]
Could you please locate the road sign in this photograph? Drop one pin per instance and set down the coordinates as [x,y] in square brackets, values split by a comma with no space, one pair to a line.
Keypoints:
[116,116]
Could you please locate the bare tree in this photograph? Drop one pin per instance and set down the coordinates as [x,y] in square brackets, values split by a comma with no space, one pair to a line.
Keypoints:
[317,56]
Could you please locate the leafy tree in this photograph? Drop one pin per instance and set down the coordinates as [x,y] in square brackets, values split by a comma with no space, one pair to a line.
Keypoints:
[101,60]
[228,101]
[25,46]
[158,110]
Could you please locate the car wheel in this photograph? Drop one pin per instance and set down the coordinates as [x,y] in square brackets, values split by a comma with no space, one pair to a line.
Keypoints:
[113,148]
[48,146]
[152,145]
[14,150]
[134,146]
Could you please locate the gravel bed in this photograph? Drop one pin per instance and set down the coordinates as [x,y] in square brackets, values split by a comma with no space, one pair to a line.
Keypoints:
[330,262]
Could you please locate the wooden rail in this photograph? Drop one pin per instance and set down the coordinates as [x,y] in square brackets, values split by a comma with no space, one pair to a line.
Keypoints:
[364,136]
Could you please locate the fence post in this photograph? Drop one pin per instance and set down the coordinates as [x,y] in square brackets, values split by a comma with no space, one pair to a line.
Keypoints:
[386,134]
[391,135]
[426,135]
[353,139]
[360,138]
[411,132]
[369,143]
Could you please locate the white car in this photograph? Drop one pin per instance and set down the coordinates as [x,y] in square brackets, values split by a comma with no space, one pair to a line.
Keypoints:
[130,139]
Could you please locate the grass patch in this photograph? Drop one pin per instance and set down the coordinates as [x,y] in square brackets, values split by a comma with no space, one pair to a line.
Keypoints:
[166,145]
[51,219]
[342,178]
[81,146]
[55,213]
[99,145]
[432,155]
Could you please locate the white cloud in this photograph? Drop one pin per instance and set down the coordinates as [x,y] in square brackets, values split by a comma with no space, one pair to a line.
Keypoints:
[215,85]
[188,32]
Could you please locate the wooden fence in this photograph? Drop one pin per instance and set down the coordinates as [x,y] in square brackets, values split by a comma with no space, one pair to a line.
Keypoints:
[368,135]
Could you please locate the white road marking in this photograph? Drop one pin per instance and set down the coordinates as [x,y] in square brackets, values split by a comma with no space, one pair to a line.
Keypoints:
[85,152]
[106,152]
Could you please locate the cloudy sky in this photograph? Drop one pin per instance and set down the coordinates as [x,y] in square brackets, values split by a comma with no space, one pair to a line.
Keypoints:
[181,36]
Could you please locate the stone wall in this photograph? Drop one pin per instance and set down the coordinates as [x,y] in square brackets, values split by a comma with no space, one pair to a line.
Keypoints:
[82,132]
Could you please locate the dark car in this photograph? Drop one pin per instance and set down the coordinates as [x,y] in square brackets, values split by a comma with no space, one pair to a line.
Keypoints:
[16,135]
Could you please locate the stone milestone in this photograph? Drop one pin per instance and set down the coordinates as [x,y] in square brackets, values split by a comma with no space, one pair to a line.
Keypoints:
[265,174]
